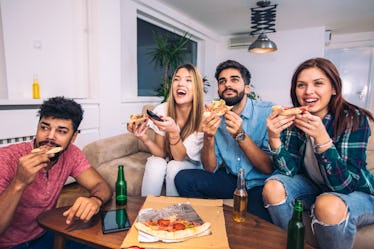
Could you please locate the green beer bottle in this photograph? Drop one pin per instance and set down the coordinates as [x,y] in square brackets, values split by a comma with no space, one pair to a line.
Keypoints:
[296,229]
[121,217]
[121,187]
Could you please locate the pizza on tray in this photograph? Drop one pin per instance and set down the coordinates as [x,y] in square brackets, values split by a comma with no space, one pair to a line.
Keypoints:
[172,228]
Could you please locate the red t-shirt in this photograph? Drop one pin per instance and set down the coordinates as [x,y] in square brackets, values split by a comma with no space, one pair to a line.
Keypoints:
[39,196]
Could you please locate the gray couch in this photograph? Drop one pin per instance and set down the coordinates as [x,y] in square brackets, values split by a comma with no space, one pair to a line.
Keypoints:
[106,154]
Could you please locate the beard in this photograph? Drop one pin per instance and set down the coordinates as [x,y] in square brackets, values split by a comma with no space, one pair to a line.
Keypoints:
[230,101]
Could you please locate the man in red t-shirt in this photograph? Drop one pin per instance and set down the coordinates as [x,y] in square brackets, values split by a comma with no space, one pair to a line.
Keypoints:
[31,180]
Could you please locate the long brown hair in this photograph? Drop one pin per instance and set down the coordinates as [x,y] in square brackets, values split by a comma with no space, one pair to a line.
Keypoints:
[337,105]
[195,115]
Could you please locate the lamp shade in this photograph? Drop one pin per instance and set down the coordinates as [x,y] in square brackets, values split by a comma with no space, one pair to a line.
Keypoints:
[262,45]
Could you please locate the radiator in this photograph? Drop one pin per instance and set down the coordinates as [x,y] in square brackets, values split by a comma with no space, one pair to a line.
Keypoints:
[14,140]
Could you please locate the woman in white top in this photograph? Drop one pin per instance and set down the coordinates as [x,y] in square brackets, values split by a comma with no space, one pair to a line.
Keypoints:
[178,138]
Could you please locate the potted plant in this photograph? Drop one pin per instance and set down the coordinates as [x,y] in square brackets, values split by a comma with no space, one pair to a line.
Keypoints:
[168,55]
[252,94]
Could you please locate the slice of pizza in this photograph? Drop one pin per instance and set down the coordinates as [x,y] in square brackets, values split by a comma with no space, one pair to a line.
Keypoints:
[285,111]
[219,107]
[51,151]
[172,228]
[55,150]
[136,119]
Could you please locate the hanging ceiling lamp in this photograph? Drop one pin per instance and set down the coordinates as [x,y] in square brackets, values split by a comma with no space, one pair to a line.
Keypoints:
[263,21]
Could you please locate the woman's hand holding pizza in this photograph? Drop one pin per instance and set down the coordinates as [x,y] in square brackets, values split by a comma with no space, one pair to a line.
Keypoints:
[312,125]
[282,118]
[139,130]
[275,124]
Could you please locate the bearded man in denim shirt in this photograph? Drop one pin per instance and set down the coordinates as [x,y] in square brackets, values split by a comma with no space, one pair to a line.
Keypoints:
[239,139]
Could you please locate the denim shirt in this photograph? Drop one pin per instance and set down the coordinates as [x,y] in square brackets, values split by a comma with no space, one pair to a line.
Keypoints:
[228,151]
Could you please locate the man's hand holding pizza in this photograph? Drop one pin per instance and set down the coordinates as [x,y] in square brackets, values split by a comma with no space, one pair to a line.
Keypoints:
[30,164]
[233,123]
[210,122]
[212,116]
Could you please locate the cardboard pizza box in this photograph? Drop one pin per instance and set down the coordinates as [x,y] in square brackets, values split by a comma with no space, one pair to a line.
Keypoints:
[209,210]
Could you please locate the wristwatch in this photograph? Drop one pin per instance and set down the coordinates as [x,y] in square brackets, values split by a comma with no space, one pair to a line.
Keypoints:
[240,136]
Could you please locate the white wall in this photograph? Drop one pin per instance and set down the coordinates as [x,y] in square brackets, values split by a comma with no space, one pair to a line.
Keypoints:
[272,72]
[111,56]
[357,40]
[106,72]
[21,124]
[47,39]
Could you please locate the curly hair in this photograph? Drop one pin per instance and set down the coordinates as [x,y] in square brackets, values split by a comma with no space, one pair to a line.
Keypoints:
[63,108]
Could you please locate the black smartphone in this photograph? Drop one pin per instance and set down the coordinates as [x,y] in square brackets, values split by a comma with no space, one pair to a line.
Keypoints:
[115,220]
[154,115]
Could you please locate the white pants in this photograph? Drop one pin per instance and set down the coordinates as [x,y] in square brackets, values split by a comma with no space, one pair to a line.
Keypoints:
[157,169]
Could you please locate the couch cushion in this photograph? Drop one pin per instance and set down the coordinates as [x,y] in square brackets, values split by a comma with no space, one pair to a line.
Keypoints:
[107,149]
[133,168]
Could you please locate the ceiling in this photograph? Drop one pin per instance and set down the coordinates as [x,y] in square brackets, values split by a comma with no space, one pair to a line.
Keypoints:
[232,17]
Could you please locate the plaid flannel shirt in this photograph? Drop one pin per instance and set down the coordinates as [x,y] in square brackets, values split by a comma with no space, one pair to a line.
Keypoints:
[343,165]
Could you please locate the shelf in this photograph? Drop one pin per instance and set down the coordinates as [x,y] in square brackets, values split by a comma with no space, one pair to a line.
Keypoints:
[37,102]
[20,102]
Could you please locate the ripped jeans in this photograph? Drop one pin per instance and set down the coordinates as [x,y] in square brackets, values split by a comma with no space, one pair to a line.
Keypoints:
[360,211]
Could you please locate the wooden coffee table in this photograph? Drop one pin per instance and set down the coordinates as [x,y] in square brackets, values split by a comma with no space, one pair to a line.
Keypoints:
[254,233]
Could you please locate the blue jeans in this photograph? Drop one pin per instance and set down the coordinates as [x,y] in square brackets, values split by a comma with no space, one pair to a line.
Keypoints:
[219,185]
[360,211]
[46,242]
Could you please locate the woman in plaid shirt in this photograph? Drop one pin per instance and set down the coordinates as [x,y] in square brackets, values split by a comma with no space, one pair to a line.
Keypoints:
[321,158]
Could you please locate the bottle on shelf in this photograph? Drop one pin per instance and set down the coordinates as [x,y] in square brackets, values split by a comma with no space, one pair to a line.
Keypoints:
[240,198]
[35,88]
[296,229]
[121,187]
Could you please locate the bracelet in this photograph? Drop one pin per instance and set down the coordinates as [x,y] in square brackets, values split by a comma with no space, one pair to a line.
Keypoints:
[97,197]
[317,146]
[179,139]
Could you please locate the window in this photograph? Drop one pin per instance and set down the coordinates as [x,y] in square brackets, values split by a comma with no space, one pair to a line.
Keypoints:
[356,69]
[149,74]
